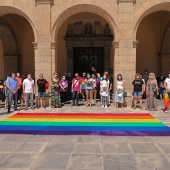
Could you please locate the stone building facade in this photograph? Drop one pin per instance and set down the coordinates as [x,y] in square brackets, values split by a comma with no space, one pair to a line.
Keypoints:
[121,36]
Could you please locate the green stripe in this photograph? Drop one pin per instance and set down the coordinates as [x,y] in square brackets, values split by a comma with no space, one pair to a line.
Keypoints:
[82,123]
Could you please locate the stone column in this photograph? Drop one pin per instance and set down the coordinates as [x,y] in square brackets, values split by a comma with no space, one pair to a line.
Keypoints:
[43,56]
[126,57]
[54,56]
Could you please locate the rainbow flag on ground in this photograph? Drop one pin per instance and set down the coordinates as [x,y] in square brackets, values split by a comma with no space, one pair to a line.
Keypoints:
[110,124]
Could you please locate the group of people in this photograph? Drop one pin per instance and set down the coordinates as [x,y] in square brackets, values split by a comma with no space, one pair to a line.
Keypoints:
[89,87]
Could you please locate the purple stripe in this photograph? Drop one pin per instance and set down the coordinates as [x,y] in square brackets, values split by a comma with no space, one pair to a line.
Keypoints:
[109,133]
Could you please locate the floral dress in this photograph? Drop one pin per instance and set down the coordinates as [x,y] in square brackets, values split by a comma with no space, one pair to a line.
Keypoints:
[55,94]
[151,100]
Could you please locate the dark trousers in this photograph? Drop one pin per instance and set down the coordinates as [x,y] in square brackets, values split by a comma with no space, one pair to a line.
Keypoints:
[75,98]
[63,97]
[19,93]
[10,97]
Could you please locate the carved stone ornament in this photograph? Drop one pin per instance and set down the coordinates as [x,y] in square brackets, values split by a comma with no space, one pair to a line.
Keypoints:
[35,44]
[125,1]
[115,44]
[40,2]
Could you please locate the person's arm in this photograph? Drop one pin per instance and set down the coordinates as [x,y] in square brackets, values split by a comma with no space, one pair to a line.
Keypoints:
[72,86]
[143,87]
[8,87]
[34,88]
[165,85]
[23,86]
[157,88]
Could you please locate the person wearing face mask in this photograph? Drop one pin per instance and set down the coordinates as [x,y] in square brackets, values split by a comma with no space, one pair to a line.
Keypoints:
[6,91]
[104,89]
[76,89]
[63,89]
[12,86]
[41,91]
[167,94]
[119,91]
[145,75]
[55,92]
[94,92]
[151,93]
[29,91]
[137,90]
[19,86]
[161,87]
[89,89]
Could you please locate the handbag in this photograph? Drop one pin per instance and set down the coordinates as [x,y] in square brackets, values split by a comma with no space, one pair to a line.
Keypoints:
[124,94]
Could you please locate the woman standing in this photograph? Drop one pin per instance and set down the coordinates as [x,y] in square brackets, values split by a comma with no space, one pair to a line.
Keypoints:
[89,89]
[63,89]
[104,89]
[119,91]
[151,92]
[137,90]
[55,91]
[94,92]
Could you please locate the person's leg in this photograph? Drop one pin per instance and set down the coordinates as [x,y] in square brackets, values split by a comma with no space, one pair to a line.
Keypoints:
[32,100]
[73,97]
[77,98]
[87,98]
[140,100]
[10,96]
[135,102]
[91,97]
[15,98]
[106,101]
[26,100]
[65,97]
[102,99]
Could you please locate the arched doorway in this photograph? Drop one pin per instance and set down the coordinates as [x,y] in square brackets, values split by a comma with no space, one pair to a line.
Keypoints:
[151,32]
[84,41]
[16,48]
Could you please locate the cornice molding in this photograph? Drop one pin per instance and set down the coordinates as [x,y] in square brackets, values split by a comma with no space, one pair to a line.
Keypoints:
[42,2]
[125,1]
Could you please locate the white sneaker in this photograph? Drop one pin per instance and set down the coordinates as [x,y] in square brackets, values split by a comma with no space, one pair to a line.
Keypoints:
[105,106]
[93,101]
[102,106]
[166,111]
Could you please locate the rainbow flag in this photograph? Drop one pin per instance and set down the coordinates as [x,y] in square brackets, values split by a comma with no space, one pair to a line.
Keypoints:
[110,124]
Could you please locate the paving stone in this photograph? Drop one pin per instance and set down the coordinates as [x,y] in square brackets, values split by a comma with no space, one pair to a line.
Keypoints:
[160,139]
[119,162]
[18,160]
[15,138]
[31,147]
[115,148]
[39,138]
[9,147]
[2,136]
[136,139]
[56,147]
[64,139]
[47,161]
[144,148]
[4,155]
[152,162]
[86,161]
[87,148]
[111,139]
[165,148]
[82,139]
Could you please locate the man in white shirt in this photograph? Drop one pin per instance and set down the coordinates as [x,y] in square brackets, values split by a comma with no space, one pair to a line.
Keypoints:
[29,91]
[167,88]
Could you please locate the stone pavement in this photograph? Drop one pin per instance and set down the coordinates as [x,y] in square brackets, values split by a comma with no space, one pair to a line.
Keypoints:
[34,152]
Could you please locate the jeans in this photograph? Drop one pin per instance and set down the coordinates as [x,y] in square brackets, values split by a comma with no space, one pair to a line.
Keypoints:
[75,97]
[104,100]
[10,97]
[27,96]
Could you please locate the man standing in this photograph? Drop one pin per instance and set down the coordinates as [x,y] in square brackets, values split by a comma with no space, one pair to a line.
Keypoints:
[19,93]
[29,91]
[12,85]
[41,91]
[76,89]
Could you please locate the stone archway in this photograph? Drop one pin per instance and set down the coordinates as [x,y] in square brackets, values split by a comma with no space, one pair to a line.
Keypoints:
[165,51]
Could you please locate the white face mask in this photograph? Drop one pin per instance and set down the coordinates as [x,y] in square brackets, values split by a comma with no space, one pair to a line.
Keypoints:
[55,76]
[151,77]
[18,74]
[64,78]
[29,77]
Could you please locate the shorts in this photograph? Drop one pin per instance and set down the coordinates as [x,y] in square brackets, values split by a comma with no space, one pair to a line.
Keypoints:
[89,90]
[41,94]
[137,94]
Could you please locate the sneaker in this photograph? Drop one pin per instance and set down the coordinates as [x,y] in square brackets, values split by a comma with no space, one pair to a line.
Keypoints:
[26,108]
[38,107]
[166,111]
[83,100]
[93,101]
[102,106]
[105,106]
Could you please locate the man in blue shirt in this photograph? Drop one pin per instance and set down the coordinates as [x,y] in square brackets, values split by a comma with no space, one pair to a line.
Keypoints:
[12,85]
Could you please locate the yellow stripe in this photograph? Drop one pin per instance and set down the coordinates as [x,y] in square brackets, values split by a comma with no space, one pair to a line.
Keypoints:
[80,120]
